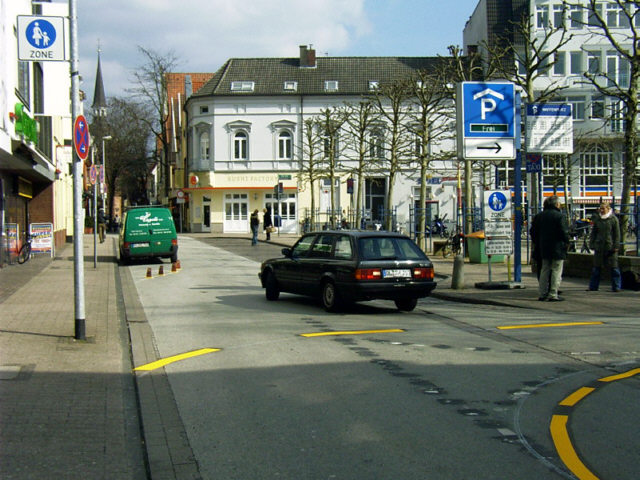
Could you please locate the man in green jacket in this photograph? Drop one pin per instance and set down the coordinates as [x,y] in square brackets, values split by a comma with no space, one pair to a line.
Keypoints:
[550,234]
[604,241]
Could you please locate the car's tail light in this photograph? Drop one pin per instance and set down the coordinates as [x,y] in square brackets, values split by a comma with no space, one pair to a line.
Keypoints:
[368,274]
[174,242]
[423,273]
[125,245]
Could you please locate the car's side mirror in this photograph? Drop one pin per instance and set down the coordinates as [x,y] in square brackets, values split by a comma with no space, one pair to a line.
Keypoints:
[286,252]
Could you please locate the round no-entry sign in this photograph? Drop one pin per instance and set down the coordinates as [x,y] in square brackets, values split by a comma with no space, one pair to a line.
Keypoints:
[81,137]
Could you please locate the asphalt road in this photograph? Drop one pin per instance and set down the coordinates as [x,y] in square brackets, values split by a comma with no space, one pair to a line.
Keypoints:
[450,395]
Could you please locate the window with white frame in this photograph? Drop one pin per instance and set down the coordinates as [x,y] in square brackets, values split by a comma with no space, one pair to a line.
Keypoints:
[617,122]
[578,106]
[290,86]
[542,16]
[616,17]
[243,86]
[558,16]
[576,16]
[597,107]
[560,63]
[204,146]
[240,145]
[594,13]
[595,170]
[576,63]
[331,86]
[376,143]
[285,142]
[593,62]
[373,85]
[618,70]
[327,142]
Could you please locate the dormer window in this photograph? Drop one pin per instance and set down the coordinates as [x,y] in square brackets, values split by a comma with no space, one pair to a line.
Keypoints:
[242,86]
[373,85]
[291,86]
[331,86]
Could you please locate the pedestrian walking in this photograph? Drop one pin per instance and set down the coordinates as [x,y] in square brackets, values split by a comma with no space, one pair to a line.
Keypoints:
[604,241]
[102,225]
[267,223]
[255,225]
[550,233]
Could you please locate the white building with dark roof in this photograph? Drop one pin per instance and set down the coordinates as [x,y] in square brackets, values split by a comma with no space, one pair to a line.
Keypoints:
[245,135]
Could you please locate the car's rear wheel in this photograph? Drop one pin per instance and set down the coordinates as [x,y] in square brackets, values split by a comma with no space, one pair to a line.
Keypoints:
[330,297]
[406,304]
[272,290]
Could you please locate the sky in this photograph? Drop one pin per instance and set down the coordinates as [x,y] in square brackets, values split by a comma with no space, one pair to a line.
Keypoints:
[203,34]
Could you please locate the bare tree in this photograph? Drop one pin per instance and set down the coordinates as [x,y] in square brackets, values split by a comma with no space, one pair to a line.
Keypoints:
[361,120]
[330,122]
[311,161]
[392,102]
[430,122]
[620,82]
[525,55]
[150,80]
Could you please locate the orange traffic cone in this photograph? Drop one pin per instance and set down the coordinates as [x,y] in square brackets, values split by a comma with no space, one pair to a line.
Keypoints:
[149,272]
[178,264]
[161,270]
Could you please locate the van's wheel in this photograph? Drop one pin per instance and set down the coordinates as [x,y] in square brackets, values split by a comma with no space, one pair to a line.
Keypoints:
[330,297]
[406,304]
[272,290]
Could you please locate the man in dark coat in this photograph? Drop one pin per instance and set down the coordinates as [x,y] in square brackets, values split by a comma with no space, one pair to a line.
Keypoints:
[550,233]
[605,240]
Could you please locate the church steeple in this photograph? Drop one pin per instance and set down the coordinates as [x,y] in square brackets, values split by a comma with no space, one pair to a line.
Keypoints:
[99,99]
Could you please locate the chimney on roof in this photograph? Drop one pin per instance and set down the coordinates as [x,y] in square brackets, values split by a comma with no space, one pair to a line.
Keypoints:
[307,57]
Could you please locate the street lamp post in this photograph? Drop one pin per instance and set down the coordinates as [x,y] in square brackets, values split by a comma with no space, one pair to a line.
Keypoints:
[104,167]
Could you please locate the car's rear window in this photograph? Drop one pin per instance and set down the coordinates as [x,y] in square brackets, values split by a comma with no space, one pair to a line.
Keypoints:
[396,248]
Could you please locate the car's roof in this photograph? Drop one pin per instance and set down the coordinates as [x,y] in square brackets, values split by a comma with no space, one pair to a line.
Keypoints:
[360,233]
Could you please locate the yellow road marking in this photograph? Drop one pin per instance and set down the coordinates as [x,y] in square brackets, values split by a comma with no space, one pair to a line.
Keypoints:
[176,358]
[576,396]
[351,332]
[613,378]
[548,325]
[565,449]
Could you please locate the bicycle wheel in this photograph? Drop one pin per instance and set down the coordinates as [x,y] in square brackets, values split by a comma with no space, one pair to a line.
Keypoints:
[24,254]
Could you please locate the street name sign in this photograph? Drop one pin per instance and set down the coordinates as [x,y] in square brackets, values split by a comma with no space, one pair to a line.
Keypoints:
[486,114]
[41,39]
[549,128]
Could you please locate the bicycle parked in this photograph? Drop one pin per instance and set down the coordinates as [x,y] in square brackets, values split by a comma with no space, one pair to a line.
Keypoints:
[453,245]
[25,251]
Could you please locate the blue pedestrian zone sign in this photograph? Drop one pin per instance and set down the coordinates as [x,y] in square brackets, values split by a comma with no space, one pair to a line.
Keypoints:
[497,205]
[41,38]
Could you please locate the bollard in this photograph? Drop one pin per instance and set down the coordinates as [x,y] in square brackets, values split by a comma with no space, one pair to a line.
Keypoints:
[457,278]
[161,270]
[174,268]
[149,272]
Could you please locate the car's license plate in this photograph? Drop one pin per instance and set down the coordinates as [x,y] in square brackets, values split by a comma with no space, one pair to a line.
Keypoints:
[396,273]
[140,245]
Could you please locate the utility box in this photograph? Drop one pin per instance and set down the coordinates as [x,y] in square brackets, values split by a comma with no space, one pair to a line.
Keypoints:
[475,247]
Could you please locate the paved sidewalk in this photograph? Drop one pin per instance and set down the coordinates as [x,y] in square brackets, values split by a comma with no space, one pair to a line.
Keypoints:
[67,408]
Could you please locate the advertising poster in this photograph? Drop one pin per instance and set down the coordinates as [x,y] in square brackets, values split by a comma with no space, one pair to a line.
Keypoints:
[41,238]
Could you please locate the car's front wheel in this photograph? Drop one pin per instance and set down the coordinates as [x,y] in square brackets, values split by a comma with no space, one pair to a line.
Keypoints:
[330,297]
[406,304]
[272,290]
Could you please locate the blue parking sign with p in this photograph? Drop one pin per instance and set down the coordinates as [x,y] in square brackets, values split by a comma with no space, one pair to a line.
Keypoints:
[489,109]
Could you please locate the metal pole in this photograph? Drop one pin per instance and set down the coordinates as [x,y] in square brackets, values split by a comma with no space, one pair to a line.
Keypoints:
[78,217]
[95,215]
[517,193]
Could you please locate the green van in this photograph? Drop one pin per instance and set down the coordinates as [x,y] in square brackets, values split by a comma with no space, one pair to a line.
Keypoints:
[148,232]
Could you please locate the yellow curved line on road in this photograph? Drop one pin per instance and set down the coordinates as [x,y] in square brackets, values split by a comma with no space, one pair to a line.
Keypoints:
[560,434]
[548,325]
[176,358]
[565,449]
[351,332]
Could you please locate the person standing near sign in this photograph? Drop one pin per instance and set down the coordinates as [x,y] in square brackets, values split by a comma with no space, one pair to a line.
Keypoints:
[604,240]
[255,225]
[550,234]
[267,222]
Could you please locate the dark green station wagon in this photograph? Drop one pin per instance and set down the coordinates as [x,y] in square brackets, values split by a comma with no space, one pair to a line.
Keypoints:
[345,266]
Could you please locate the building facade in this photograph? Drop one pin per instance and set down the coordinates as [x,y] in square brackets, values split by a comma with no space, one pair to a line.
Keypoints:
[247,145]
[35,135]
[574,34]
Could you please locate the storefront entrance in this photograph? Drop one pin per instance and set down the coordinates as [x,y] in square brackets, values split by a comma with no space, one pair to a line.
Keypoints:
[236,216]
